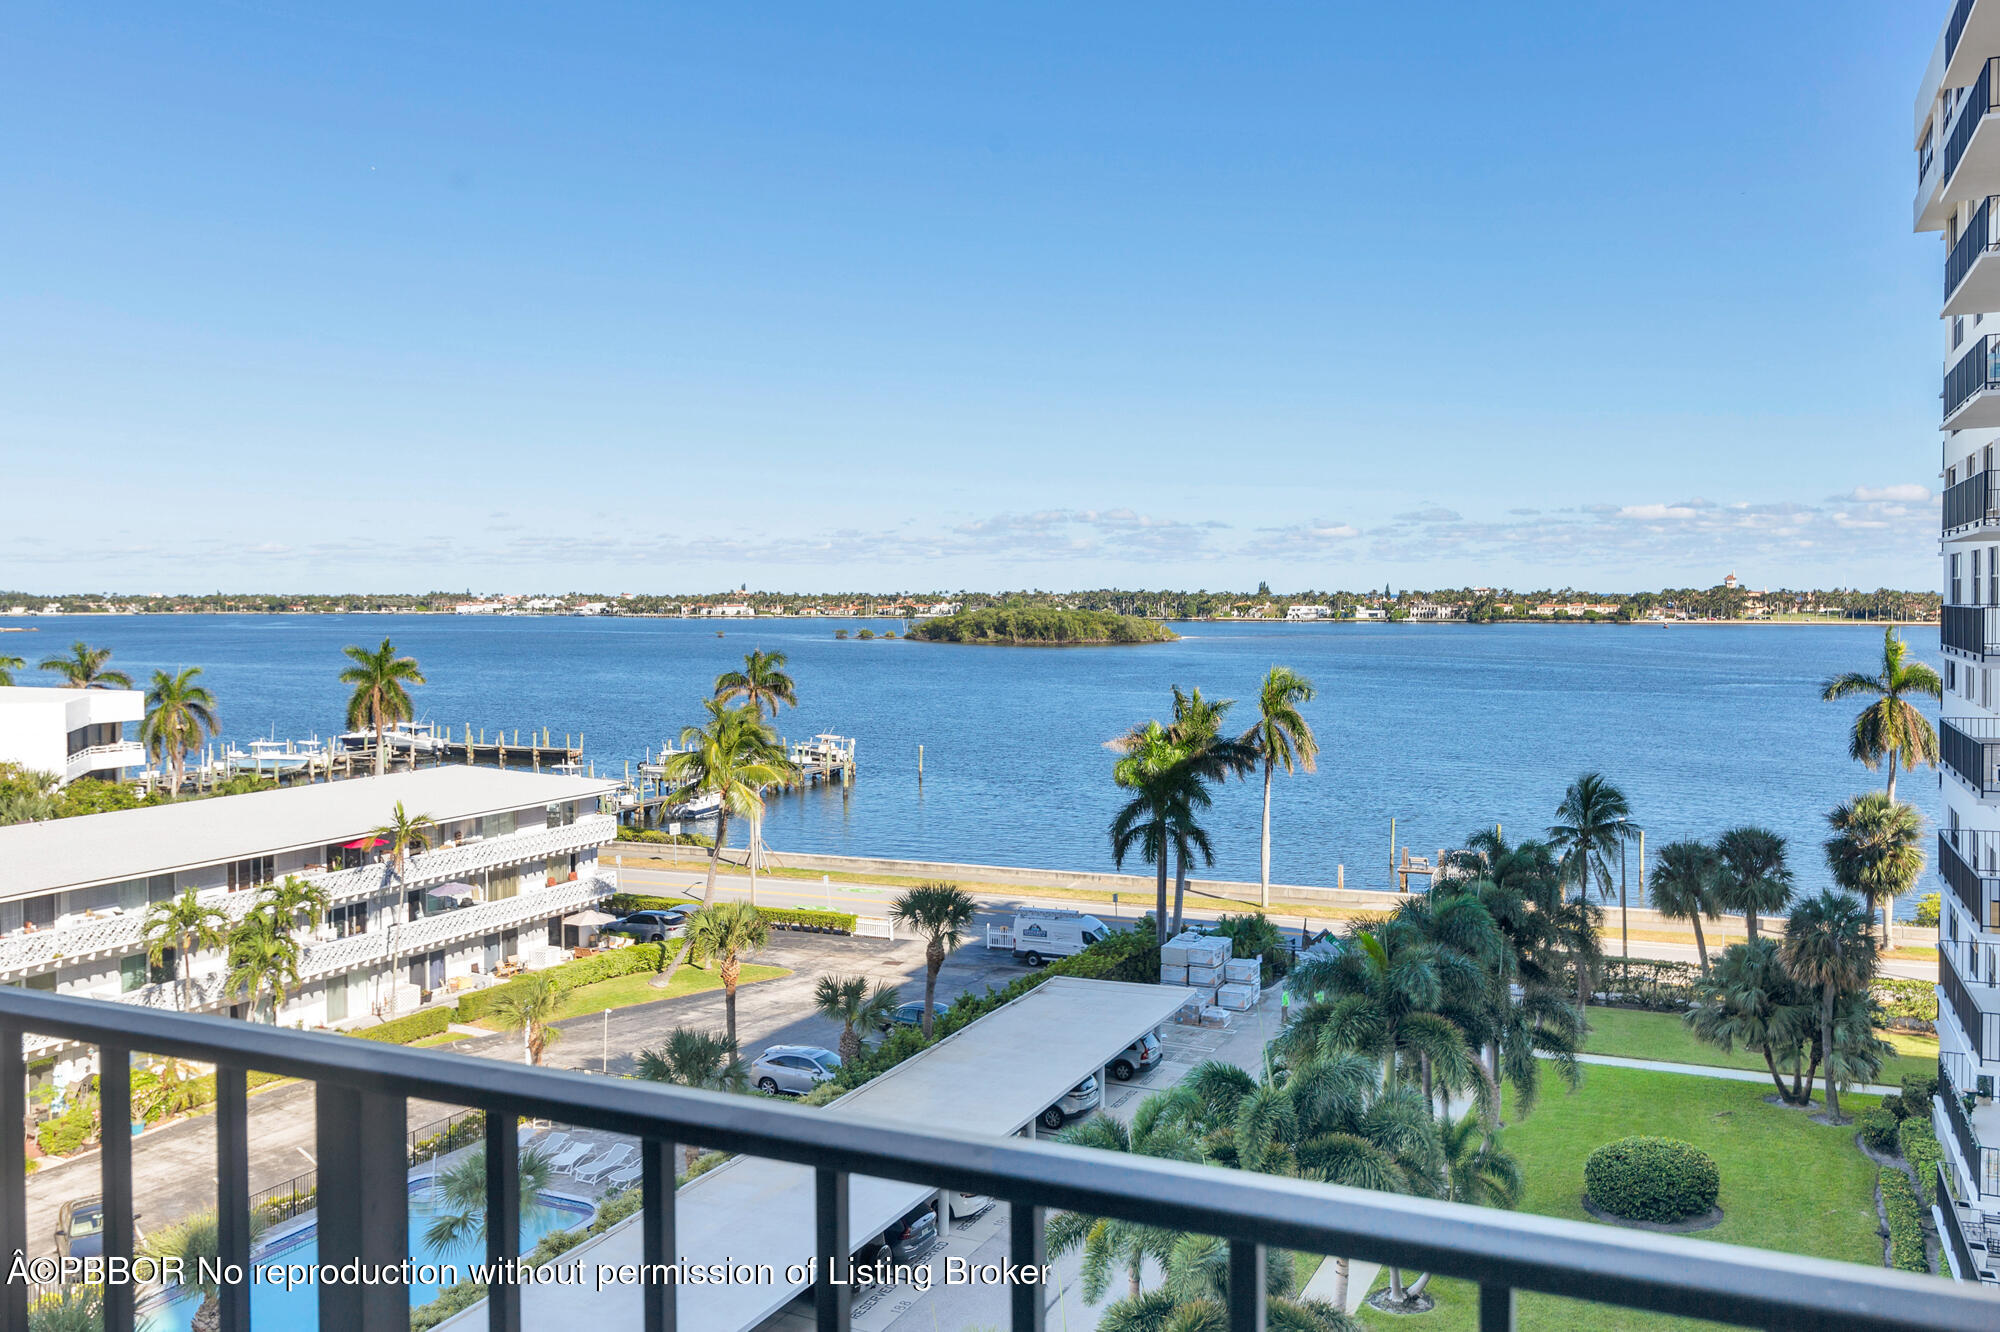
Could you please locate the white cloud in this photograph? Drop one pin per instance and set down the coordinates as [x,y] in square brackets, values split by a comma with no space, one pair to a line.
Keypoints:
[1908,494]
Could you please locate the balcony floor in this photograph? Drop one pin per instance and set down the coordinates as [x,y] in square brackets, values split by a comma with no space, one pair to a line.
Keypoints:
[1979,290]
[1977,176]
[1980,411]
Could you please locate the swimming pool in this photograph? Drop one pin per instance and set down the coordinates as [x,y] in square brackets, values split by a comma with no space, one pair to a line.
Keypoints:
[273,1308]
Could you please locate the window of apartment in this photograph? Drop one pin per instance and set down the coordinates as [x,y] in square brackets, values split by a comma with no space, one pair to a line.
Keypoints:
[1977,556]
[1986,458]
[562,814]
[1950,475]
[1951,683]
[39,913]
[1956,600]
[252,873]
[1993,575]
[132,973]
[349,919]
[1957,331]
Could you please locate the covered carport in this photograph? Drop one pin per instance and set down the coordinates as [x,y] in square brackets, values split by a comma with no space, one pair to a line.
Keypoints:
[993,1077]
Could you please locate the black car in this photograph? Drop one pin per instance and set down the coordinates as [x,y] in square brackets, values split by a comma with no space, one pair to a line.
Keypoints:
[651,926]
[905,1242]
[80,1228]
[911,1015]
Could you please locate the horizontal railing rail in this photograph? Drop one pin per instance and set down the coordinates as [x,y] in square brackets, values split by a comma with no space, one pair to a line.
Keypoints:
[1972,109]
[1972,243]
[1978,893]
[1971,502]
[1972,755]
[1973,631]
[1980,1022]
[1974,372]
[362,1090]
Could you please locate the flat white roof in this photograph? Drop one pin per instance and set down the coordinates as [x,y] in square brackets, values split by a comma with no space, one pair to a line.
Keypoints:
[131,843]
[993,1077]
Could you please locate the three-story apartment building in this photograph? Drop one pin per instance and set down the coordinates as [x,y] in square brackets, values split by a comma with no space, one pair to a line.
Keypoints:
[1957,138]
[511,855]
[70,733]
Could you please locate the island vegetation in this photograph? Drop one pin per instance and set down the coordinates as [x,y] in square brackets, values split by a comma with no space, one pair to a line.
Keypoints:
[1041,626]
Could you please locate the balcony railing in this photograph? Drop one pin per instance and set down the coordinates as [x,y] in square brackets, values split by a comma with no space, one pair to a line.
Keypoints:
[1970,748]
[122,934]
[1972,501]
[1954,28]
[1967,1262]
[1976,371]
[1971,631]
[1980,1021]
[1978,893]
[361,1104]
[1972,243]
[1972,109]
[1983,1162]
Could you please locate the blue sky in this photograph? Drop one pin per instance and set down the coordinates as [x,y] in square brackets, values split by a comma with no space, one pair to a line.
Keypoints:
[636,297]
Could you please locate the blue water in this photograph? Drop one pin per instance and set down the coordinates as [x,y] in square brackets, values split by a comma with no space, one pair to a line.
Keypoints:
[1443,728]
[273,1308]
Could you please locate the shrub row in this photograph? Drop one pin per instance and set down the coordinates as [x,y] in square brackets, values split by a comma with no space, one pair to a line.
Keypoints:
[1879,1130]
[784,918]
[411,1027]
[1912,1000]
[1920,1148]
[76,1127]
[584,971]
[1906,1224]
[1648,982]
[1651,1179]
[657,837]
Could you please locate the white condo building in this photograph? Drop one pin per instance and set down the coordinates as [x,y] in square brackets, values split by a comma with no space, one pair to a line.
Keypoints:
[513,854]
[1957,138]
[70,732]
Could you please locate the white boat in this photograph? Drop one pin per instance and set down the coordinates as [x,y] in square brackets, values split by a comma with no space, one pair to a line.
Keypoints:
[411,737]
[704,806]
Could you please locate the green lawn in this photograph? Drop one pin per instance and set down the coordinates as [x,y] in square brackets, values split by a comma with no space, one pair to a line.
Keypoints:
[1787,1183]
[440,1038]
[1636,1035]
[625,991]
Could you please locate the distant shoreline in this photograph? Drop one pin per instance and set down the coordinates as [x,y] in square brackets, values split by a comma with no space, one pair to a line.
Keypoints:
[850,619]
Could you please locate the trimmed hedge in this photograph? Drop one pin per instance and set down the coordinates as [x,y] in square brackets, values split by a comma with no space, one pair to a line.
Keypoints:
[1651,1179]
[1878,1130]
[1920,1148]
[411,1027]
[1918,1088]
[1906,1223]
[657,837]
[584,971]
[1656,984]
[784,918]
[1913,1000]
[1893,1103]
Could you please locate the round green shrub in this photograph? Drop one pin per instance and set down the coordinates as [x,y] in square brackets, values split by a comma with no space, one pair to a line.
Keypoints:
[1878,1130]
[1893,1103]
[1651,1179]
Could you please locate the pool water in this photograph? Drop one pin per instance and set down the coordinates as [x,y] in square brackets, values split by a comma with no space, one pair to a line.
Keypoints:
[276,1309]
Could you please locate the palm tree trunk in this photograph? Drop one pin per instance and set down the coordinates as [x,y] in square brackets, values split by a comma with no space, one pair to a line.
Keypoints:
[1777,1079]
[1160,893]
[933,963]
[1180,884]
[381,755]
[1340,1270]
[707,893]
[1893,764]
[1396,1284]
[1417,1287]
[729,997]
[1264,846]
[1826,1037]
[1700,944]
[1750,926]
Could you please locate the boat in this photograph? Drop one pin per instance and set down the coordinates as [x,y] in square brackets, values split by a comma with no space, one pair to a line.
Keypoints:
[704,806]
[405,737]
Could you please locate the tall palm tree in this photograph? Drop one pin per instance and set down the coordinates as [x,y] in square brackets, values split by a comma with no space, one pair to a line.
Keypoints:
[1282,739]
[263,960]
[1747,999]
[1165,796]
[184,924]
[733,755]
[761,681]
[403,836]
[84,668]
[1892,728]
[728,932]
[530,1006]
[706,1060]
[1684,887]
[1830,946]
[380,695]
[849,1001]
[941,912]
[8,665]
[1593,820]
[1876,850]
[295,901]
[178,711]
[1211,757]
[461,1196]
[1755,879]
[1111,1245]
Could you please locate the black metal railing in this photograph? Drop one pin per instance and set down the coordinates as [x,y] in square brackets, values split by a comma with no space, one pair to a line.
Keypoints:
[1973,631]
[1975,241]
[1954,28]
[1970,748]
[362,1090]
[1982,1161]
[1979,894]
[1953,1233]
[1982,1028]
[1974,372]
[1972,109]
[1972,501]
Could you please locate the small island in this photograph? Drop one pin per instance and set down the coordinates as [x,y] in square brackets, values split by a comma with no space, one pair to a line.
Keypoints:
[1041,626]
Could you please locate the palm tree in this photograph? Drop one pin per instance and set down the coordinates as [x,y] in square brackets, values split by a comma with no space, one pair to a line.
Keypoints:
[1755,879]
[1165,796]
[1593,820]
[178,711]
[403,836]
[263,959]
[295,901]
[1111,1245]
[1477,1171]
[730,932]
[461,1196]
[941,912]
[706,1060]
[762,680]
[1876,850]
[1749,1000]
[193,1245]
[1282,739]
[380,697]
[1830,945]
[530,1006]
[849,1001]
[8,665]
[1197,1277]
[29,796]
[184,924]
[1210,756]
[1685,885]
[1891,728]
[84,668]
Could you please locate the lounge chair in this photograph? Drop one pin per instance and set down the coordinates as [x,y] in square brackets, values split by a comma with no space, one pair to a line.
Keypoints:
[624,1175]
[566,1160]
[603,1165]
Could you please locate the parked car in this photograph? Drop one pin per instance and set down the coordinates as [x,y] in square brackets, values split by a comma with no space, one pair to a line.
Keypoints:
[906,1242]
[1078,1100]
[793,1069]
[651,926]
[911,1014]
[80,1228]
[964,1205]
[1138,1057]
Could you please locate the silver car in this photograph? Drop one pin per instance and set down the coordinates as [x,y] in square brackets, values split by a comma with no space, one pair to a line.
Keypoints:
[1078,1100]
[793,1069]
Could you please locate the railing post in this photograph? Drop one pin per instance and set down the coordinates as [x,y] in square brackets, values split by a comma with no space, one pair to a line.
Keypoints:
[657,1242]
[366,1219]
[1027,1246]
[503,1217]
[1496,1309]
[1246,1286]
[232,1193]
[114,1170]
[831,1245]
[13,1170]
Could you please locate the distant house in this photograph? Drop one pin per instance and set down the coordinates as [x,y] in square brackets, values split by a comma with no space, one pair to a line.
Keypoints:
[1550,608]
[1370,613]
[728,610]
[1730,581]
[1305,612]
[477,607]
[1433,610]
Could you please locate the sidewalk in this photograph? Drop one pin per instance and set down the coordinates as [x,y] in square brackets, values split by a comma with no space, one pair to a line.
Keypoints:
[1709,1071]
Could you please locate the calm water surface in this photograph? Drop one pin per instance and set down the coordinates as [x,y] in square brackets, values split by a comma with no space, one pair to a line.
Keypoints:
[1443,728]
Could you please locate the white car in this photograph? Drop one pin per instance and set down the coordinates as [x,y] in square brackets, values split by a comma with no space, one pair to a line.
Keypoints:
[1078,1100]
[793,1069]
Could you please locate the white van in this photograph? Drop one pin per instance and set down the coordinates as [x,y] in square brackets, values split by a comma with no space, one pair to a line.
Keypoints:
[1041,933]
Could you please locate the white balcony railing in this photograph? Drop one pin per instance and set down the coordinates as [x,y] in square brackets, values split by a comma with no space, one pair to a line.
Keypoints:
[122,933]
[124,754]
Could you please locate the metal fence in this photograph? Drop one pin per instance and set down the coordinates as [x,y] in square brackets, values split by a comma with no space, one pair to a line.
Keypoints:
[362,1090]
